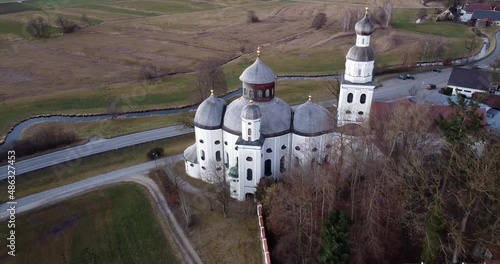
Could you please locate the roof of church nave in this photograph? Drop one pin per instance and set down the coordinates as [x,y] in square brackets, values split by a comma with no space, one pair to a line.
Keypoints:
[210,112]
[311,119]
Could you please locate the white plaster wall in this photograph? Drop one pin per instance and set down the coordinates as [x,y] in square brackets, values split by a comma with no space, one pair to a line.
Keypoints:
[209,147]
[465,17]
[276,144]
[254,125]
[352,73]
[467,92]
[192,171]
[230,148]
[362,41]
[248,185]
[307,146]
[355,106]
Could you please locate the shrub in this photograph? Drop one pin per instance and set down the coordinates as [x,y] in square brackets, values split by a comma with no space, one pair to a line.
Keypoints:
[38,28]
[66,25]
[150,72]
[319,21]
[155,153]
[251,17]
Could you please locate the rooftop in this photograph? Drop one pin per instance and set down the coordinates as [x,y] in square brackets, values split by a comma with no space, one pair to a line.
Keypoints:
[481,14]
[470,78]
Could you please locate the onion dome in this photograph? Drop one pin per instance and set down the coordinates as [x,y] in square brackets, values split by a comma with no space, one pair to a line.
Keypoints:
[258,72]
[275,120]
[357,53]
[364,27]
[251,112]
[233,172]
[311,119]
[210,112]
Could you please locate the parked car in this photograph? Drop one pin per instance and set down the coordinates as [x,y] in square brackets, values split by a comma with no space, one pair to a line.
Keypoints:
[436,70]
[430,86]
[409,76]
[402,77]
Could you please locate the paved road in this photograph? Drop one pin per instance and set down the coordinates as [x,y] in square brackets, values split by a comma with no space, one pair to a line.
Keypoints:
[135,174]
[395,88]
[494,55]
[92,148]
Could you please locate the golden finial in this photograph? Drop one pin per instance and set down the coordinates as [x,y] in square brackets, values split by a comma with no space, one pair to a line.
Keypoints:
[211,92]
[366,10]
[258,51]
[310,97]
[251,102]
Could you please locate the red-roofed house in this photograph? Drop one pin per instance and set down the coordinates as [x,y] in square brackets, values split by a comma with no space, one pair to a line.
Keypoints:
[468,9]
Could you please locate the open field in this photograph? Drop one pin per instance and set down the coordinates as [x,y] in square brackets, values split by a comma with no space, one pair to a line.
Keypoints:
[107,128]
[111,225]
[83,72]
[80,169]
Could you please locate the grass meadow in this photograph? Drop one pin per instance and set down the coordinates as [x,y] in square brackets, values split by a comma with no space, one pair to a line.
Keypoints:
[112,225]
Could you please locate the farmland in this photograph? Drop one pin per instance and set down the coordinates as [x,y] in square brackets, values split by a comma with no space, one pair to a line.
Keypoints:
[83,72]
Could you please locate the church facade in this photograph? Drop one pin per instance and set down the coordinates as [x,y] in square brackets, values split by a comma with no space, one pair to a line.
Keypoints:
[258,135]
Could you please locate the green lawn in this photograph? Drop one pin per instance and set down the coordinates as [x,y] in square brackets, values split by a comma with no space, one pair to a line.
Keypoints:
[80,169]
[165,6]
[112,225]
[12,27]
[111,9]
[108,128]
[404,18]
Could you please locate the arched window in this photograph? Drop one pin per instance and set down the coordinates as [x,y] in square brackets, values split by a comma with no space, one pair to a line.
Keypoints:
[217,156]
[259,94]
[249,175]
[350,96]
[217,142]
[202,155]
[359,72]
[362,41]
[282,164]
[297,148]
[269,150]
[267,168]
[283,147]
[201,141]
[362,99]
[360,113]
[249,131]
[267,92]
[249,159]
[227,160]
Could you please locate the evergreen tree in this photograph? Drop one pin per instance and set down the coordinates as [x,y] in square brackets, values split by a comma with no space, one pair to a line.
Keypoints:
[334,236]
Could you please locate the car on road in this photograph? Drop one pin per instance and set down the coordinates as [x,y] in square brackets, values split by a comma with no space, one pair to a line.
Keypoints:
[436,70]
[409,76]
[402,77]
[430,86]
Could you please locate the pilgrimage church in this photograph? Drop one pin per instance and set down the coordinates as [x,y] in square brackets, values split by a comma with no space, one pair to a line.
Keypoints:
[259,135]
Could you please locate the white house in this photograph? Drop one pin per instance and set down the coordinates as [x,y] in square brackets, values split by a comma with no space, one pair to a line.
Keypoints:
[468,81]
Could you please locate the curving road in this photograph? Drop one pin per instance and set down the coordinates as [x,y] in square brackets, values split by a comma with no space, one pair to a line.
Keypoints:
[493,56]
[135,174]
[92,148]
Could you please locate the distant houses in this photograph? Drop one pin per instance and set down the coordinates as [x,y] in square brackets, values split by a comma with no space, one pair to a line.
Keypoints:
[480,15]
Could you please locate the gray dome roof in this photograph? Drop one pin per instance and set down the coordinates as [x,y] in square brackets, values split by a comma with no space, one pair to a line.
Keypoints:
[364,27]
[258,73]
[311,119]
[190,154]
[251,112]
[360,54]
[209,113]
[276,116]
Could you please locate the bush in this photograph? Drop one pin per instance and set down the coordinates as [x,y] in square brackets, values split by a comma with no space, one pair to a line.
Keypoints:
[319,21]
[66,25]
[47,137]
[446,91]
[155,153]
[38,28]
[150,72]
[251,17]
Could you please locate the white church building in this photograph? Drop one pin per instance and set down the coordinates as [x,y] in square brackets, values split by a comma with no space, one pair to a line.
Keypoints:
[259,135]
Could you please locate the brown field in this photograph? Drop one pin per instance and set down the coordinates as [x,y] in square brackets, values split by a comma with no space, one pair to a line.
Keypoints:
[116,50]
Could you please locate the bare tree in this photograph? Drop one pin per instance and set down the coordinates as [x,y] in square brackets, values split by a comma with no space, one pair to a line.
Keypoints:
[471,43]
[387,6]
[114,108]
[38,28]
[319,21]
[219,189]
[252,17]
[66,25]
[210,76]
[85,19]
[186,209]
[333,86]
